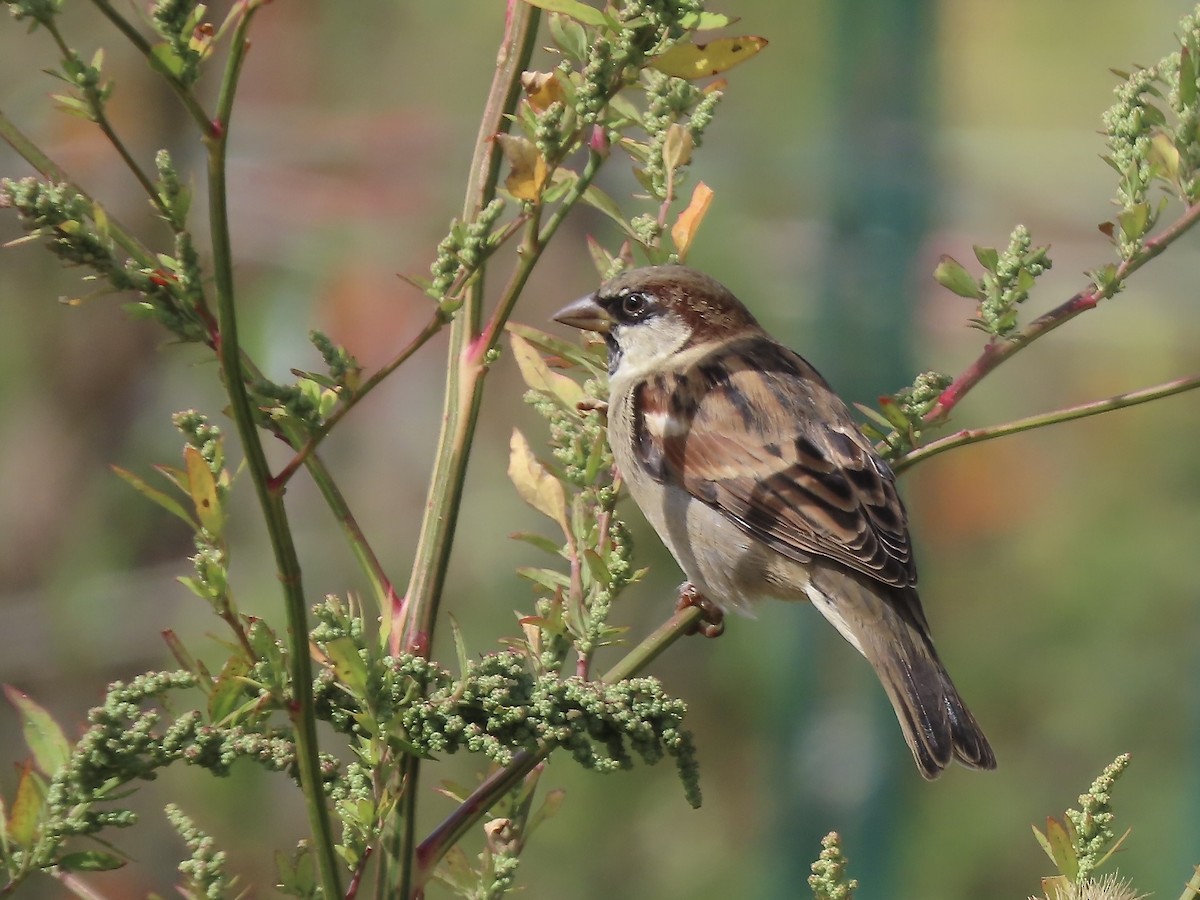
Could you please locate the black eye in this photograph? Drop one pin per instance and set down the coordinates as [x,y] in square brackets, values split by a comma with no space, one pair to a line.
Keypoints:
[635,305]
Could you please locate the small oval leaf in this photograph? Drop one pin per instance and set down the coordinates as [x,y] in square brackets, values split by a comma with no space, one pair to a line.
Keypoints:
[534,483]
[692,61]
[46,741]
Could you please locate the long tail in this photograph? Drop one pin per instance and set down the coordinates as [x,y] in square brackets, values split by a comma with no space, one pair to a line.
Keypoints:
[888,627]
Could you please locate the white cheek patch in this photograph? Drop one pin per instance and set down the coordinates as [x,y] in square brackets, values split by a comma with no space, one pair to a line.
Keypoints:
[646,345]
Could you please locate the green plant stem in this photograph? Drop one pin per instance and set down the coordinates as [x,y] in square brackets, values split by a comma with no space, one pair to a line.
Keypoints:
[51,171]
[499,783]
[381,585]
[978,435]
[282,545]
[409,624]
[468,362]
[96,102]
[207,126]
[997,351]
[432,327]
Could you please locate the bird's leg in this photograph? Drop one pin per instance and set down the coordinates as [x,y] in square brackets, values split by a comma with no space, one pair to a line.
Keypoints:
[712,622]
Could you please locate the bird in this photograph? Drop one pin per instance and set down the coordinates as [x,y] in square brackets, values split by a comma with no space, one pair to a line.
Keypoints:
[758,480]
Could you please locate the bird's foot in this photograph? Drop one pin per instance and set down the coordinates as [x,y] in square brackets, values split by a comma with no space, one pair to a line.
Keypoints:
[711,623]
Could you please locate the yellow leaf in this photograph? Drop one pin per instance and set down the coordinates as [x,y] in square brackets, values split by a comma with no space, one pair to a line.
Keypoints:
[540,377]
[542,89]
[528,167]
[685,227]
[534,483]
[203,489]
[702,60]
[677,147]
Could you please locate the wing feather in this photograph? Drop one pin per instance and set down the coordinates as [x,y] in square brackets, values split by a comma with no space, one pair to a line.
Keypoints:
[752,430]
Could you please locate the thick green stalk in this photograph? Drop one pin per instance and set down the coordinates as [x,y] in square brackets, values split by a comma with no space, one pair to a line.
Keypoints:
[409,624]
[286,560]
[467,363]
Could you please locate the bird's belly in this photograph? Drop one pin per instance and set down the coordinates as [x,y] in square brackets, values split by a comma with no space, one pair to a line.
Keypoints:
[724,563]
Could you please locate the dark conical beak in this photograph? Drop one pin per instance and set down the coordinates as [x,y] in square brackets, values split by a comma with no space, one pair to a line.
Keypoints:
[587,314]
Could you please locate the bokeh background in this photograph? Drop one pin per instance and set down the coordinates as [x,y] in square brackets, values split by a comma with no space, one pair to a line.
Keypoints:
[1059,568]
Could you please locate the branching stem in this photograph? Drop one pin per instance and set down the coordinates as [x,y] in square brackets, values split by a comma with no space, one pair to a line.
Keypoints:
[998,350]
[283,547]
[978,435]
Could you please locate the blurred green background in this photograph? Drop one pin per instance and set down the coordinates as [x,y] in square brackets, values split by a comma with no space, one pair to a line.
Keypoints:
[1059,568]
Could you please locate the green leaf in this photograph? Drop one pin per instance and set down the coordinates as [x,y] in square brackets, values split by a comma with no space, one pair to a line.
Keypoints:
[73,106]
[588,15]
[550,806]
[548,343]
[547,578]
[1164,157]
[229,690]
[170,60]
[348,664]
[876,417]
[989,257]
[460,649]
[46,741]
[26,810]
[570,36]
[952,275]
[1062,849]
[1187,77]
[705,21]
[90,861]
[597,199]
[1113,849]
[596,568]
[1135,221]
[167,502]
[539,541]
[1056,887]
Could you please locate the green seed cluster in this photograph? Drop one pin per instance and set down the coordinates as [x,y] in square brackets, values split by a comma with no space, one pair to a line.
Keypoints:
[1008,281]
[1093,820]
[204,871]
[207,439]
[828,880]
[500,706]
[77,236]
[41,11]
[175,21]
[343,367]
[613,59]
[460,253]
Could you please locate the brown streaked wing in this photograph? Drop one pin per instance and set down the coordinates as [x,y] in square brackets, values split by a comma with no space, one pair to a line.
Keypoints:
[755,432]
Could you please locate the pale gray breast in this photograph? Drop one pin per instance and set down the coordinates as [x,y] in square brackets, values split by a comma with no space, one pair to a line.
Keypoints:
[721,560]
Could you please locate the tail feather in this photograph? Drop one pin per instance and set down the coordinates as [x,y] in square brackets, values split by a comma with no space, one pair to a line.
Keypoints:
[888,627]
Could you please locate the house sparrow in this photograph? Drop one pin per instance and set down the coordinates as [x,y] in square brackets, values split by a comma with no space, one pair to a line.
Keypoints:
[757,479]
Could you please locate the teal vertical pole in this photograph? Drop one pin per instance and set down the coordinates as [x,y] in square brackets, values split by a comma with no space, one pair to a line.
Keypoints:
[880,183]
